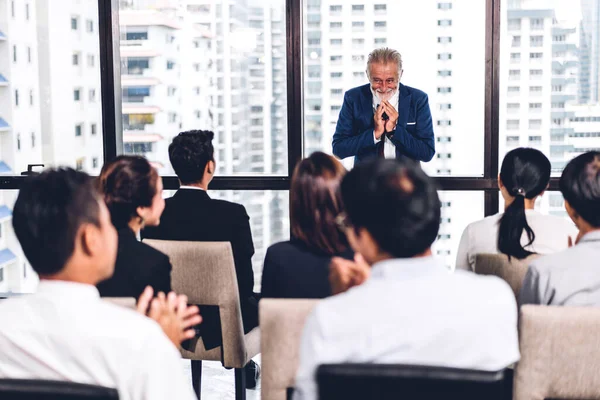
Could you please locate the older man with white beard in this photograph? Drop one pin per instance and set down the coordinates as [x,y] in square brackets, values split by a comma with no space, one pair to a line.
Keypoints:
[384,118]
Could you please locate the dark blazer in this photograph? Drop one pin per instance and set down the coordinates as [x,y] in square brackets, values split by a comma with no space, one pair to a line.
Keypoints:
[293,270]
[192,215]
[413,136]
[138,265]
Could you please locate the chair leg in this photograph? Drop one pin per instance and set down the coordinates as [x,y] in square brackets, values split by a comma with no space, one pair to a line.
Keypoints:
[197,376]
[240,384]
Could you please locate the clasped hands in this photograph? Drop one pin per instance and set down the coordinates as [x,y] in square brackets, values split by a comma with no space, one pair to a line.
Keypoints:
[171,312]
[381,125]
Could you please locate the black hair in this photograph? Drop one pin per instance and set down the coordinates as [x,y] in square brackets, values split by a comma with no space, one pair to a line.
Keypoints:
[126,183]
[50,209]
[189,152]
[525,174]
[580,186]
[396,202]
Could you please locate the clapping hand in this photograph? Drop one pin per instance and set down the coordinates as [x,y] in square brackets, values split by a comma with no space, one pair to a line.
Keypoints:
[172,313]
[344,274]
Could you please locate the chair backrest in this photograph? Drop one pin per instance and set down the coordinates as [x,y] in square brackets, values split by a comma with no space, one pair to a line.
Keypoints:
[31,389]
[391,381]
[127,302]
[560,353]
[513,271]
[281,324]
[205,273]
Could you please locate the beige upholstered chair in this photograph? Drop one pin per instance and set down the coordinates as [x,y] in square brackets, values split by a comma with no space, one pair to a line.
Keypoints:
[513,271]
[205,272]
[281,323]
[560,353]
[127,302]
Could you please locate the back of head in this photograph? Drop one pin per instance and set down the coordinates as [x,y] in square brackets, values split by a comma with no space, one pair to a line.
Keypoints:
[189,153]
[316,202]
[525,173]
[396,202]
[50,209]
[580,186]
[126,183]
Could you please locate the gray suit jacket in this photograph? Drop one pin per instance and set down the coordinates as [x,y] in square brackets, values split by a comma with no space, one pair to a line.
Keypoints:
[567,278]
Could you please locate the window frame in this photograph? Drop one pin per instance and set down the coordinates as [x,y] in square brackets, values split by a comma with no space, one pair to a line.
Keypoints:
[112,136]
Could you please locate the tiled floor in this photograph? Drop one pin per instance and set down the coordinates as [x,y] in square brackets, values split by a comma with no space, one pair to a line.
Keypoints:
[218,383]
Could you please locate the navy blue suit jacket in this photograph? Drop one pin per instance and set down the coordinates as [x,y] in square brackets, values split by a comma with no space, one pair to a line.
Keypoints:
[413,136]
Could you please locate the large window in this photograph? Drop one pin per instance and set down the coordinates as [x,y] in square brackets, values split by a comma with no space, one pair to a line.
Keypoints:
[444,57]
[458,210]
[51,110]
[225,66]
[218,67]
[556,109]
[46,92]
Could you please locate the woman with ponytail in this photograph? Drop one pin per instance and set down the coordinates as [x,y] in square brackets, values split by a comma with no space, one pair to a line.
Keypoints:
[132,191]
[520,231]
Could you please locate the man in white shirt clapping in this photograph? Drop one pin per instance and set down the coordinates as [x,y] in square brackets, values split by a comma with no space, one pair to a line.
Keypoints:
[399,304]
[65,331]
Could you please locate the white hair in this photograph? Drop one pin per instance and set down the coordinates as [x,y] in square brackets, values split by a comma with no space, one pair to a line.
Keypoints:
[384,55]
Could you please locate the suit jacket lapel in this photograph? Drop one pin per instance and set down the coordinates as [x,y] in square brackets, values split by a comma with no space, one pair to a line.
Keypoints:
[366,104]
[403,106]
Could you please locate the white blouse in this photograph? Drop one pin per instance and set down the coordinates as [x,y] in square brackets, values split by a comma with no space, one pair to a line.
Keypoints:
[551,235]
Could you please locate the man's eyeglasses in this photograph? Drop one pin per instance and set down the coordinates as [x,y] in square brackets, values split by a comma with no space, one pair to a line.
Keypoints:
[342,222]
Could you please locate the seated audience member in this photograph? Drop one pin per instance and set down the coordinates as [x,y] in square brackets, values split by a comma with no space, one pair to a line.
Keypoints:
[520,231]
[299,268]
[410,310]
[571,278]
[192,215]
[132,192]
[65,331]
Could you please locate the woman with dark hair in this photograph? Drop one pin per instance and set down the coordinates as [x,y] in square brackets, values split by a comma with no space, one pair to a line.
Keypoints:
[520,231]
[132,191]
[299,268]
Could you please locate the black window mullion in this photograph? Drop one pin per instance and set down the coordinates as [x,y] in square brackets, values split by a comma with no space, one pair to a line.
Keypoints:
[110,77]
[492,102]
[294,51]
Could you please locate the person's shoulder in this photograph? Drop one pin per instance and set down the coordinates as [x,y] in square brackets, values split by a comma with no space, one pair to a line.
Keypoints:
[285,247]
[228,207]
[491,287]
[556,222]
[357,91]
[417,93]
[483,225]
[559,261]
[130,327]
[148,253]
[336,313]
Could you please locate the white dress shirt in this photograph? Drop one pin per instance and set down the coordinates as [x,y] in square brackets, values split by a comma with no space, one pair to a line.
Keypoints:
[389,148]
[191,187]
[412,311]
[551,235]
[65,332]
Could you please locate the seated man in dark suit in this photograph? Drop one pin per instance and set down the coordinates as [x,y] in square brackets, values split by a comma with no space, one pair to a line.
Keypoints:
[193,216]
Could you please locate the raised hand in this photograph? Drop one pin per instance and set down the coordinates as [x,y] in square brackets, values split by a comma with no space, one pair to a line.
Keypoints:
[390,124]
[172,313]
[379,122]
[344,274]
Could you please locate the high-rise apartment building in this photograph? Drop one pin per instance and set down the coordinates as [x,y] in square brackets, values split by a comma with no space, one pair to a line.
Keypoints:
[218,65]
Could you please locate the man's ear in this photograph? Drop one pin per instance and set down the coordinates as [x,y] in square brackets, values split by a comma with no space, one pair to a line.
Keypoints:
[87,238]
[210,167]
